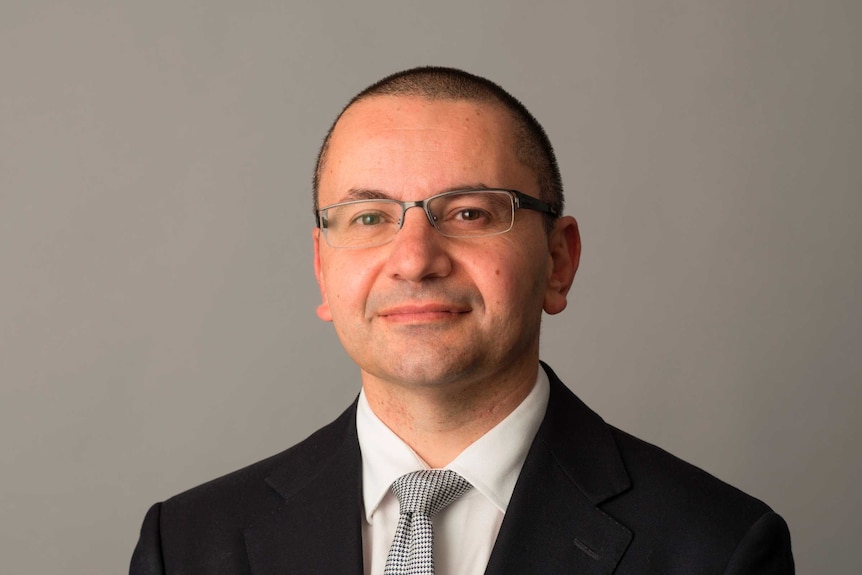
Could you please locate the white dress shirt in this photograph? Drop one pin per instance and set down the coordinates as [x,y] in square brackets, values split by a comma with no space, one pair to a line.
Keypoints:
[464,532]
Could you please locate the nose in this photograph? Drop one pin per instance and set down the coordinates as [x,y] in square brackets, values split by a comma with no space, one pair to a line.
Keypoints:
[418,251]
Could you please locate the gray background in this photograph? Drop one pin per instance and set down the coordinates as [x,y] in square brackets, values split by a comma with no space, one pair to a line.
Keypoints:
[157,323]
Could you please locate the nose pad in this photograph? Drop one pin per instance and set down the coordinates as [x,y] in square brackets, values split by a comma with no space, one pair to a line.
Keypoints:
[428,215]
[432,219]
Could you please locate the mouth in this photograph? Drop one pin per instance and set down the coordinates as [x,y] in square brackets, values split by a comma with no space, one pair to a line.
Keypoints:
[423,313]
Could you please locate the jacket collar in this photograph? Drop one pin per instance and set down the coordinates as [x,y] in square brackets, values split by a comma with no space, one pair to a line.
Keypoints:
[318,529]
[554,523]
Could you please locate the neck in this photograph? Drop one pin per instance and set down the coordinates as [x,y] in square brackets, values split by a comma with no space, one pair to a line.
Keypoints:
[438,423]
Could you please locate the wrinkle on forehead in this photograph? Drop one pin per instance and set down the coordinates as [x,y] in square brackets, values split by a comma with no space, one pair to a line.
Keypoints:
[375,194]
[447,145]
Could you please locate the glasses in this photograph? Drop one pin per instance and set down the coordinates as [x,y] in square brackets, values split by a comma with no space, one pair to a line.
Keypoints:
[457,214]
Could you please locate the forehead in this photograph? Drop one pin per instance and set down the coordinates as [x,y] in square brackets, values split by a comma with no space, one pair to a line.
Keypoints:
[396,143]
[381,112]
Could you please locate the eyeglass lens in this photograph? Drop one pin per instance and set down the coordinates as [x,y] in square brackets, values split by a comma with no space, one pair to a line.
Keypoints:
[373,222]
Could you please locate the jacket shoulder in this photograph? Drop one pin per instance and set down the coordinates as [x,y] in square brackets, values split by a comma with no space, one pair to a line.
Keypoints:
[665,478]
[681,515]
[204,526]
[682,519]
[238,492]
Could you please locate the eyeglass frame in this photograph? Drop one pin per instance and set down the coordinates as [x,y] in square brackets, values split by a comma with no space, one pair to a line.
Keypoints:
[520,201]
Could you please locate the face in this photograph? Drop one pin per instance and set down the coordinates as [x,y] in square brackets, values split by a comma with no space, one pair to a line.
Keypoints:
[426,310]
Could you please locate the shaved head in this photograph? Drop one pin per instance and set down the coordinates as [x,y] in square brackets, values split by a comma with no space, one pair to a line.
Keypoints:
[531,143]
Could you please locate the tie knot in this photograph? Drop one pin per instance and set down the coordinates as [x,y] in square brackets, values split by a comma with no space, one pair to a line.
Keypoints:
[428,492]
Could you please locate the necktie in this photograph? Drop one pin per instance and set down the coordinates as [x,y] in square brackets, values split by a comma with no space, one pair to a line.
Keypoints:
[420,495]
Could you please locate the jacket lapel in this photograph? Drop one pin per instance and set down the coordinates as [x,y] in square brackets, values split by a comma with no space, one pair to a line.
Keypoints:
[318,529]
[553,524]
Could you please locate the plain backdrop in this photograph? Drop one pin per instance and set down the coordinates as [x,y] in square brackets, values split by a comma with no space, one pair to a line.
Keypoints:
[157,323]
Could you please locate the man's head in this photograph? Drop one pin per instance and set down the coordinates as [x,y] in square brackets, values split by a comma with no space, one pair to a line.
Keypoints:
[426,309]
[531,144]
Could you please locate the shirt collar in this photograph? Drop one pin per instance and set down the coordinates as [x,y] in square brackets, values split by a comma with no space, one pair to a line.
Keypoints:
[491,464]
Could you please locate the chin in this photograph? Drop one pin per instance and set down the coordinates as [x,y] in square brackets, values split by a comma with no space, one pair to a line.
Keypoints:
[433,369]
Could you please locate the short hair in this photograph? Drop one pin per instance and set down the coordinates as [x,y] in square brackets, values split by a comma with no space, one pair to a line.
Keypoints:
[532,146]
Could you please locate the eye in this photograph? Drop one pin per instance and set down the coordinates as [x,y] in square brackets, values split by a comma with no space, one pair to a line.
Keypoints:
[470,214]
[368,219]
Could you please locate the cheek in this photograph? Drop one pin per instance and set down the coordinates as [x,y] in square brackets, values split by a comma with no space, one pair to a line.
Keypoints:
[518,280]
[501,280]
[348,283]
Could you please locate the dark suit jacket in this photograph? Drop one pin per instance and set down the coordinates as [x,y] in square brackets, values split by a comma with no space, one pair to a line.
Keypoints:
[590,499]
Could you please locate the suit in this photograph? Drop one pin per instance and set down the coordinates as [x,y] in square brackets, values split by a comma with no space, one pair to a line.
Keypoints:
[590,499]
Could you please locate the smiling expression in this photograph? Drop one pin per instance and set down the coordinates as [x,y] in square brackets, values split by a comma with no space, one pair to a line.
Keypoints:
[425,309]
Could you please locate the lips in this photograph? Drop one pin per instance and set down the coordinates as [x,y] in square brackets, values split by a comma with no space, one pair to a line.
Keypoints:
[423,312]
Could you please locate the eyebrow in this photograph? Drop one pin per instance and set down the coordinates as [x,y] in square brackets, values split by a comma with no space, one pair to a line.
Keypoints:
[372,194]
[364,194]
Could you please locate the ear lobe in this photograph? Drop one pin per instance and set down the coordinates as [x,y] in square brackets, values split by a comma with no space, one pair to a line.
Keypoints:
[323,311]
[564,249]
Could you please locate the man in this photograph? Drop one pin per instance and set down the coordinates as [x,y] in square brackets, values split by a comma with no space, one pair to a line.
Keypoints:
[440,241]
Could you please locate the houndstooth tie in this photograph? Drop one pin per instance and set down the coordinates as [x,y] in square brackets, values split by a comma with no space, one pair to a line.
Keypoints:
[420,494]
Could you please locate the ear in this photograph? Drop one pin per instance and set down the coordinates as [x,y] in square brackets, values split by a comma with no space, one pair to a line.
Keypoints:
[564,251]
[323,311]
